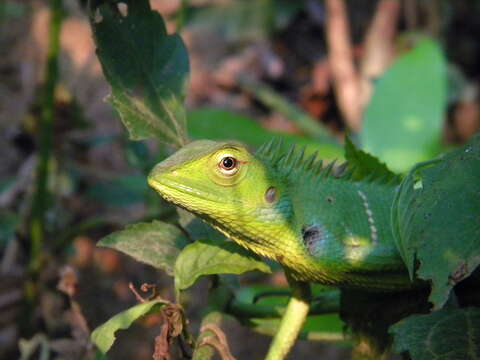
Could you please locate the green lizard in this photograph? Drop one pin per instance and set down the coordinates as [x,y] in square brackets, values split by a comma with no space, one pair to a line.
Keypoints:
[321,227]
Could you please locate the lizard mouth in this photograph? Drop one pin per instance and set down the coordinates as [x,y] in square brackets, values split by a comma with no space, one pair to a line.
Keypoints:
[181,191]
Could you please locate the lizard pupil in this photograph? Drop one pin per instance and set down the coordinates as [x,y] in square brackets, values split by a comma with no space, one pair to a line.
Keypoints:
[228,163]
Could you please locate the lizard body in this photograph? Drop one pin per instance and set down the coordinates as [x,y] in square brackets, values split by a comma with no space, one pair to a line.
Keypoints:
[324,228]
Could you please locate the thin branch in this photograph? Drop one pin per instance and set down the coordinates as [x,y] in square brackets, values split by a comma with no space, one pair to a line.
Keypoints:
[340,57]
[326,303]
[292,112]
[411,14]
[46,120]
[218,300]
[379,46]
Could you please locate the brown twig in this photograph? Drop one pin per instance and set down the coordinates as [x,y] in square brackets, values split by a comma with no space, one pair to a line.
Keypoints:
[345,77]
[172,327]
[136,293]
[411,14]
[218,341]
[434,21]
[378,48]
[145,287]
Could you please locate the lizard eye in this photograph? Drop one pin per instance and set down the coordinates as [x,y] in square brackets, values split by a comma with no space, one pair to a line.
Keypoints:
[228,165]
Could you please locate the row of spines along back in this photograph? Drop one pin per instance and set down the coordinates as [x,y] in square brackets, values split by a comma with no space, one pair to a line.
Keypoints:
[293,162]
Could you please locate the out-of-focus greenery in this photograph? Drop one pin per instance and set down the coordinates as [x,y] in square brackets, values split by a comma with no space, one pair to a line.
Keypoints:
[404,120]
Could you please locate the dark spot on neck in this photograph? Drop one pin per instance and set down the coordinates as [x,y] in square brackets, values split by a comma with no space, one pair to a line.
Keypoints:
[311,235]
[330,199]
[271,195]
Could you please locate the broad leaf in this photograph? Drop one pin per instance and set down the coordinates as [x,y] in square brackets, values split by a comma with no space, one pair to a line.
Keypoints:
[104,335]
[217,124]
[404,120]
[435,218]
[157,243]
[207,257]
[146,68]
[365,165]
[450,334]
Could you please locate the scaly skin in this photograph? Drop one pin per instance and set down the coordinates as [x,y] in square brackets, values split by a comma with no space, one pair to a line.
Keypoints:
[322,228]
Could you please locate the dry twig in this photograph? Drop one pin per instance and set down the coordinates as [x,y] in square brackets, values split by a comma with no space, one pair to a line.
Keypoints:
[340,57]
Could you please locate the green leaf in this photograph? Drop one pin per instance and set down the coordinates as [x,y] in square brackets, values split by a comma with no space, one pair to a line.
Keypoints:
[104,335]
[435,219]
[403,122]
[196,228]
[447,334]
[364,164]
[146,68]
[217,124]
[156,243]
[207,257]
[121,191]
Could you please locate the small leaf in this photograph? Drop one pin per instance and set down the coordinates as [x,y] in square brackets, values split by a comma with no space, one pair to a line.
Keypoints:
[104,335]
[146,68]
[403,122]
[157,243]
[435,219]
[365,165]
[445,334]
[207,257]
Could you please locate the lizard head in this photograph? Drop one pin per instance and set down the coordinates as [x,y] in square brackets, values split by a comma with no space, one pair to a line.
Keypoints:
[226,185]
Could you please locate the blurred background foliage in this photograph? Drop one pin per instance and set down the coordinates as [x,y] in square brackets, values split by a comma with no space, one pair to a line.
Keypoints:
[401,76]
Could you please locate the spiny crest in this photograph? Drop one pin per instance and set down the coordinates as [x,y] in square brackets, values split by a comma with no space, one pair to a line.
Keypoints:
[292,162]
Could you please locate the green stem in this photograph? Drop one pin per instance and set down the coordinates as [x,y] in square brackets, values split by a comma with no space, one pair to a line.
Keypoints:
[292,321]
[327,303]
[322,336]
[181,15]
[268,12]
[40,200]
[292,112]
[218,300]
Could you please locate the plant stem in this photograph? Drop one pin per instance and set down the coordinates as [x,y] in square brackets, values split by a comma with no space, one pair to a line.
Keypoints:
[218,300]
[40,200]
[292,112]
[322,336]
[344,74]
[292,321]
[181,15]
[326,303]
